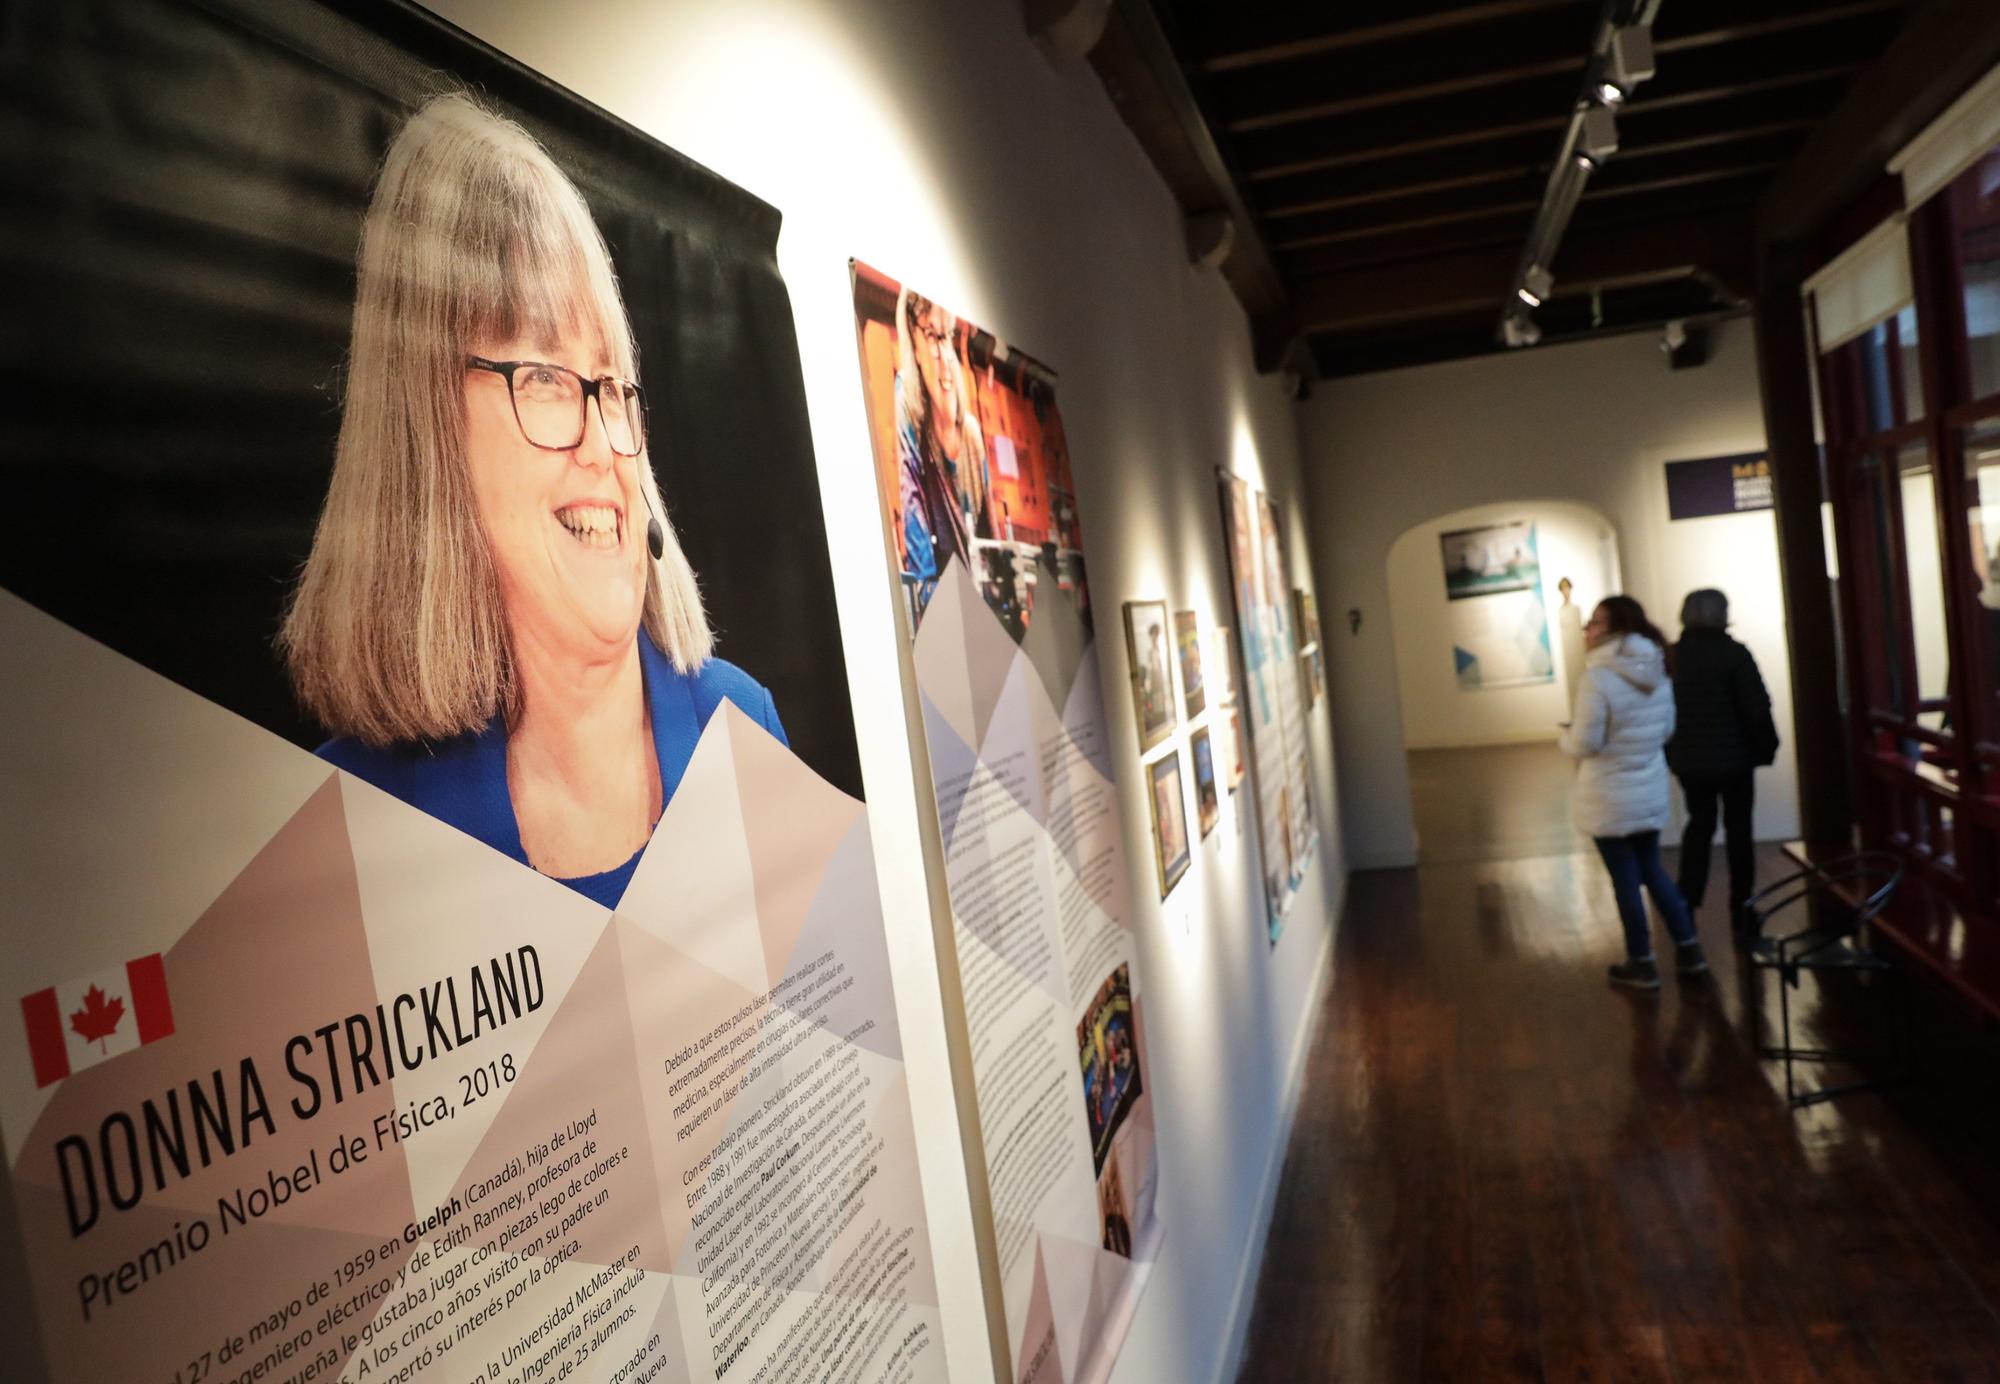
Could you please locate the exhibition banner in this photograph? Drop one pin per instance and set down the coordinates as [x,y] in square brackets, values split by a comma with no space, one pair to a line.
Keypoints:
[981,514]
[1499,620]
[1501,641]
[445,941]
[1273,696]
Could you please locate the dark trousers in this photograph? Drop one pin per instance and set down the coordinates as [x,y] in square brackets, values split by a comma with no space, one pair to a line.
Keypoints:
[1635,861]
[1737,793]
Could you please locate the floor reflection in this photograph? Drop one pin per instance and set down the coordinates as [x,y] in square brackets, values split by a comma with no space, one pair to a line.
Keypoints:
[1505,1169]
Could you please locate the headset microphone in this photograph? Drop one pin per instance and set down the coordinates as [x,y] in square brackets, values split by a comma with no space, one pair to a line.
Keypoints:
[656,536]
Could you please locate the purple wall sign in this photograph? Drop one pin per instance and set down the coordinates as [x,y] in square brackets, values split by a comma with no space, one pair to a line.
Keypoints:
[1718,485]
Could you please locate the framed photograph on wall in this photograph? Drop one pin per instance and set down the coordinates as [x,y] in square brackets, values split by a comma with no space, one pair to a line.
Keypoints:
[1305,612]
[1490,560]
[1207,801]
[1187,644]
[1170,834]
[1152,683]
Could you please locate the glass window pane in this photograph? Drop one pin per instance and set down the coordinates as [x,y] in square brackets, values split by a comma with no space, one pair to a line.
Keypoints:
[1909,369]
[1975,212]
[1878,410]
[1884,661]
[1982,501]
[1925,570]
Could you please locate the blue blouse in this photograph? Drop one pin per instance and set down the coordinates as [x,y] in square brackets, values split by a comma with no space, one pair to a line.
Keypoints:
[463,781]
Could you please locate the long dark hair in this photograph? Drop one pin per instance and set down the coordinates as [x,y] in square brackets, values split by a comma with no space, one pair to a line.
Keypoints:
[1626,616]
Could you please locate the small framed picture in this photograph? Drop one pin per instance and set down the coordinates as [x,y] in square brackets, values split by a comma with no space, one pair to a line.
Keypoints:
[1224,668]
[1207,799]
[1305,618]
[1152,683]
[1238,754]
[1187,643]
[1171,851]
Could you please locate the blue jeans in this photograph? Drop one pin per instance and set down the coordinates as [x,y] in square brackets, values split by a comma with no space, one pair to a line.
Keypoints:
[1634,861]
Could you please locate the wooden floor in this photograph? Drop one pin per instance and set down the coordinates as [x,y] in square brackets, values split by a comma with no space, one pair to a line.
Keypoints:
[1493,802]
[1503,1169]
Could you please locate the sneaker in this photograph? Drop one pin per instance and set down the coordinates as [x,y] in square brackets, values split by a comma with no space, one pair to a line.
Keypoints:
[1688,960]
[1641,974]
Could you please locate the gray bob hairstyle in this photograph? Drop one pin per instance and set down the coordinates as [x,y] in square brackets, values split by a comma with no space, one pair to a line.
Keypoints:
[1705,609]
[396,631]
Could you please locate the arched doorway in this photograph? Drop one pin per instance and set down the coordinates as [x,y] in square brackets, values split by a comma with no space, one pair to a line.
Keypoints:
[1488,646]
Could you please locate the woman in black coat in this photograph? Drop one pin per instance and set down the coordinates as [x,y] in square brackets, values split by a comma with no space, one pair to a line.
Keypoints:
[1723,733]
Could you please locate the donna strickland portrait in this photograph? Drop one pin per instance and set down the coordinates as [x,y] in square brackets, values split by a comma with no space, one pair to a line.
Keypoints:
[496,622]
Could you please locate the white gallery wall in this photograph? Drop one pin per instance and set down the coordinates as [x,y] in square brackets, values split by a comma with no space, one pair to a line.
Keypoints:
[932,141]
[1573,541]
[1590,423]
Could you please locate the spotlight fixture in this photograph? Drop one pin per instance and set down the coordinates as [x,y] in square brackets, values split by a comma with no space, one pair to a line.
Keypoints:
[1598,139]
[1535,286]
[1517,329]
[1631,56]
[1628,61]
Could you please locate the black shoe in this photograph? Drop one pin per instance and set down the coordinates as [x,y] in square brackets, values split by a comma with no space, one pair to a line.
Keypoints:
[1637,975]
[1688,960]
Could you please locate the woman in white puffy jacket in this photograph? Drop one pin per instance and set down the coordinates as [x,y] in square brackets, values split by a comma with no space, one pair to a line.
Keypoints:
[1618,731]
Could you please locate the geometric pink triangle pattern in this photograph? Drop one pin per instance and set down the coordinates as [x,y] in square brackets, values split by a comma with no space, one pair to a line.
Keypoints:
[406,1108]
[1036,873]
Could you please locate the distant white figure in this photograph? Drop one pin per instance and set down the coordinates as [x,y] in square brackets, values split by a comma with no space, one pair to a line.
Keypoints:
[1569,625]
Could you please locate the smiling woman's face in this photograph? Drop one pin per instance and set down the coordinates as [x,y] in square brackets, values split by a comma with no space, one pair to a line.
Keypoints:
[935,330]
[568,550]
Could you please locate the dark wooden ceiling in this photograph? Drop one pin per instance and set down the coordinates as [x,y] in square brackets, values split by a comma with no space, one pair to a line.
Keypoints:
[1391,156]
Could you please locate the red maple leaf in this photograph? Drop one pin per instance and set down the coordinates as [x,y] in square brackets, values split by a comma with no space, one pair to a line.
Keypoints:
[97,1020]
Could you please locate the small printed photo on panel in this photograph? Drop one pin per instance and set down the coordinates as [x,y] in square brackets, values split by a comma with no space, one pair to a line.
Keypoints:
[1114,1217]
[1108,1052]
[974,464]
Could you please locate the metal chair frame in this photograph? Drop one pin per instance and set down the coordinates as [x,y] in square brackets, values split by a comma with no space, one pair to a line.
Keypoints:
[1826,948]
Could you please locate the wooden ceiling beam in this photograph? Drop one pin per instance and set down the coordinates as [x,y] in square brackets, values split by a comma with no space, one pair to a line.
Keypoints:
[1842,35]
[1483,80]
[1503,174]
[1803,18]
[1412,26]
[1442,212]
[1414,223]
[1478,280]
[1617,217]
[1455,137]
[1521,159]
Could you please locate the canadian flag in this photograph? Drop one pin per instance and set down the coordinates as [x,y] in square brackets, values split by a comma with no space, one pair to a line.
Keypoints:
[95,1017]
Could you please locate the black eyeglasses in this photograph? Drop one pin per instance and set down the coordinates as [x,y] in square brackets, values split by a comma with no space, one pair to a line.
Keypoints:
[551,404]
